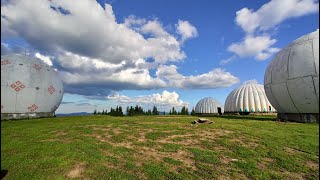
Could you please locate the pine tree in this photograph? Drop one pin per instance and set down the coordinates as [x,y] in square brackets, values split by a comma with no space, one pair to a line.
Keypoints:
[174,112]
[155,111]
[95,112]
[120,111]
[187,111]
[103,113]
[193,112]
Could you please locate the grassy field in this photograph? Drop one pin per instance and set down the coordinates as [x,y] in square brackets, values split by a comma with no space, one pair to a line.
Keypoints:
[159,147]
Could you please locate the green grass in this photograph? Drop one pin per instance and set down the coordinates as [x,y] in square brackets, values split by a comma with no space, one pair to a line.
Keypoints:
[159,147]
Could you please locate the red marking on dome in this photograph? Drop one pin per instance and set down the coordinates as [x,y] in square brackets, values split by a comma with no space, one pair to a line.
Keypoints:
[36,66]
[51,89]
[17,86]
[5,62]
[33,107]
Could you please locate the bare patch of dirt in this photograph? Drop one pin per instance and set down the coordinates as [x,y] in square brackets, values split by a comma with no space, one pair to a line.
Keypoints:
[292,175]
[59,133]
[223,177]
[291,150]
[194,139]
[153,154]
[252,144]
[116,131]
[264,163]
[66,140]
[184,157]
[312,165]
[77,171]
[227,160]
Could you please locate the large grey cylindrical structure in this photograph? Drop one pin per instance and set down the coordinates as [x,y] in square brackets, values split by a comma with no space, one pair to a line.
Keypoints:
[208,106]
[248,98]
[291,80]
[29,88]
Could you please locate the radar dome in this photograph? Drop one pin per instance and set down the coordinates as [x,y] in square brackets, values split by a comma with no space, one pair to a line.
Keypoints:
[29,88]
[248,98]
[208,106]
[291,80]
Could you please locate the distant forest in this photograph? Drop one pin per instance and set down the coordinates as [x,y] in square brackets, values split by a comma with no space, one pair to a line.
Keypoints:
[138,111]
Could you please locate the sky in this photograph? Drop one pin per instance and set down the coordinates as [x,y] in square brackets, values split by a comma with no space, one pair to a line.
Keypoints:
[141,52]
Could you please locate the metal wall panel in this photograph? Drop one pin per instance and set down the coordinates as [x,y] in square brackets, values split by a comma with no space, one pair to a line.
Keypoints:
[299,91]
[303,94]
[299,61]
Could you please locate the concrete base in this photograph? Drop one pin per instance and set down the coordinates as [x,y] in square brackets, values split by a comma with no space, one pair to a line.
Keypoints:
[8,116]
[303,118]
[251,113]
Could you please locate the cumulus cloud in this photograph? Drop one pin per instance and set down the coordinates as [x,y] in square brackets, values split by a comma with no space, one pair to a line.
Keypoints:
[4,49]
[95,55]
[186,30]
[265,18]
[166,99]
[216,78]
[45,59]
[258,47]
[273,13]
[93,33]
[228,60]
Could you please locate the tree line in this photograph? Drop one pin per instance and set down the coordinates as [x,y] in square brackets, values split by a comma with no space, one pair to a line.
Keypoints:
[138,110]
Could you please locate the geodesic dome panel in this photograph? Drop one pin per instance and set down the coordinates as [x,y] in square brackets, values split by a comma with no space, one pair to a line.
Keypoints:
[208,106]
[249,97]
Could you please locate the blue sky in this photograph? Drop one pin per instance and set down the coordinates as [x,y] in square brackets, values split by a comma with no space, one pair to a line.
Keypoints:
[164,53]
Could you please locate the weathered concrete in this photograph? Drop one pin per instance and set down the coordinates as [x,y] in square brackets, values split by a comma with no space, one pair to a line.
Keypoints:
[303,118]
[256,113]
[9,116]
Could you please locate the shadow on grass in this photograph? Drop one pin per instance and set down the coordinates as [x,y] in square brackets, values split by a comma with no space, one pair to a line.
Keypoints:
[248,117]
[3,173]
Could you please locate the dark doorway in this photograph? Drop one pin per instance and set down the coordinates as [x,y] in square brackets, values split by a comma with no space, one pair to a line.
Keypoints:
[219,111]
[269,108]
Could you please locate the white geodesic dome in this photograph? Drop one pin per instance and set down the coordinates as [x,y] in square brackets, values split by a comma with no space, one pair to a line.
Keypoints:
[208,105]
[28,86]
[249,97]
[291,80]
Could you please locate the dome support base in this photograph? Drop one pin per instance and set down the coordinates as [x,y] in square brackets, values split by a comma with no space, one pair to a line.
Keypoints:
[303,118]
[9,116]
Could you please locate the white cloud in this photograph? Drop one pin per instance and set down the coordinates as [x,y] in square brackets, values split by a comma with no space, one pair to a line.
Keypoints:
[45,59]
[273,13]
[228,60]
[265,18]
[93,33]
[258,47]
[166,99]
[216,78]
[154,28]
[95,55]
[186,30]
